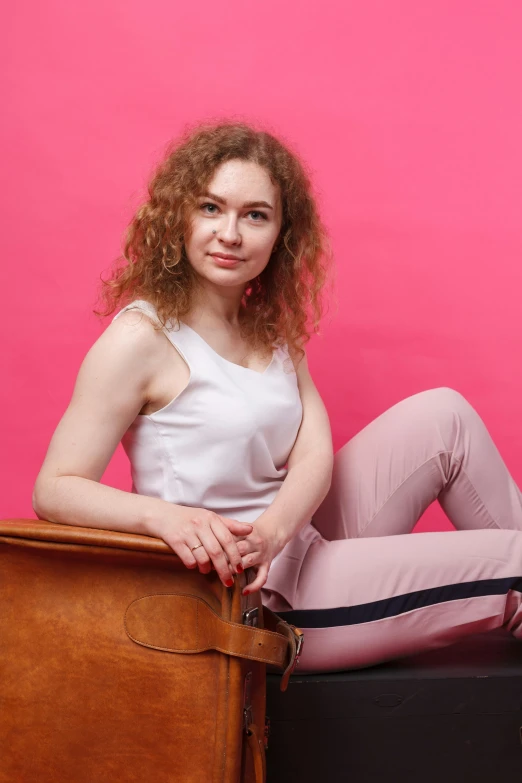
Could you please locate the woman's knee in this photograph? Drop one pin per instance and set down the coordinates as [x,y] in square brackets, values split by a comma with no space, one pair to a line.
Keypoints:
[445,399]
[447,410]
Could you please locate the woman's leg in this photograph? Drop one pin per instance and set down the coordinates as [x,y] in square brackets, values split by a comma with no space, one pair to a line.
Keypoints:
[371,593]
[368,600]
[432,445]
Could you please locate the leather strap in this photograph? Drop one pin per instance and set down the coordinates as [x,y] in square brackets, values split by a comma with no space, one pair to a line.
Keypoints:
[255,743]
[295,637]
[185,623]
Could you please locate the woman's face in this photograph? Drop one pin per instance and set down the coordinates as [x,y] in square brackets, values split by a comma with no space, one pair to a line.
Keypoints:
[242,206]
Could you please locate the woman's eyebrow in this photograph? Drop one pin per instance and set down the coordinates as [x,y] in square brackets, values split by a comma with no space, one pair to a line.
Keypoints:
[249,204]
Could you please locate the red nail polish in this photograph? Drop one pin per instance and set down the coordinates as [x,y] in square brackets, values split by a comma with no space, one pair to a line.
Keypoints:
[240,569]
[230,583]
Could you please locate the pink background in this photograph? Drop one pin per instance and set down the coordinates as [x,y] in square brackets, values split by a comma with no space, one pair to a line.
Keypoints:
[409,115]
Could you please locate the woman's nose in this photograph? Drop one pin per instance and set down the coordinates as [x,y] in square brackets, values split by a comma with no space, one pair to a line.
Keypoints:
[230,231]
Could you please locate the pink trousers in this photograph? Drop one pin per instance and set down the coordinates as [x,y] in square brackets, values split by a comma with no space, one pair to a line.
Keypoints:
[361,588]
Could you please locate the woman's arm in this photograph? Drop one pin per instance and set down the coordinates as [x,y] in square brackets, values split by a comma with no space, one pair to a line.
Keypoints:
[304,488]
[111,389]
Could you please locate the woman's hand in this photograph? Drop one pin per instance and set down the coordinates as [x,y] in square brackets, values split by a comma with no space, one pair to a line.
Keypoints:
[258,549]
[201,538]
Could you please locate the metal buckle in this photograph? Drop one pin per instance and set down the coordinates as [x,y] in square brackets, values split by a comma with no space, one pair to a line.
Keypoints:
[251,616]
[298,645]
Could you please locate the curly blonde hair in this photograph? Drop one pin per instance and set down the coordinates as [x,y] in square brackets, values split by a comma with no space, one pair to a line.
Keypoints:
[284,304]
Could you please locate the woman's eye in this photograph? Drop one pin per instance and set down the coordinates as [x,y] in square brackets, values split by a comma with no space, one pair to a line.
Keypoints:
[261,215]
[212,206]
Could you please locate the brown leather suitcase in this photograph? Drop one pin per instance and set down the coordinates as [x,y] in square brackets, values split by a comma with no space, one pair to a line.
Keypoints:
[118,664]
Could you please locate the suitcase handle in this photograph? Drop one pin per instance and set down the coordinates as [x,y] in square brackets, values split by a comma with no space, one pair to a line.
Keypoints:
[185,623]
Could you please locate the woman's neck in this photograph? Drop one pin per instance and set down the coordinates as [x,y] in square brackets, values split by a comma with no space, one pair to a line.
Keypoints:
[216,309]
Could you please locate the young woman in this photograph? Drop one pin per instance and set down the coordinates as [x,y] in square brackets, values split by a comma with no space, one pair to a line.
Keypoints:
[203,377]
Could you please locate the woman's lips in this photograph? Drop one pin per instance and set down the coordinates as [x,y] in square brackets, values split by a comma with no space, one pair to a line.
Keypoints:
[228,263]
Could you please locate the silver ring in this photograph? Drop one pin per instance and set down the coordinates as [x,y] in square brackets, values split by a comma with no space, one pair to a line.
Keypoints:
[192,548]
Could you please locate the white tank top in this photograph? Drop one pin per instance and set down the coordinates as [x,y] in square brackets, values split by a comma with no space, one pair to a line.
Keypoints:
[223,442]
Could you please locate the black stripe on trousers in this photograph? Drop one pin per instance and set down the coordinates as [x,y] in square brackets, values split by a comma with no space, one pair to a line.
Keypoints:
[399,604]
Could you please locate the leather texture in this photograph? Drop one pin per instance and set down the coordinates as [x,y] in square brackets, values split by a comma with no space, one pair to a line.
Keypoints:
[117,663]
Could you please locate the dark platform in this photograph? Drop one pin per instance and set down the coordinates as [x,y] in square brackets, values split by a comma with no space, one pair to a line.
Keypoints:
[448,716]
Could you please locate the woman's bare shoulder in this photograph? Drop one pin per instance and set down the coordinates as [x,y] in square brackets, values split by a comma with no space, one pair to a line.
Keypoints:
[133,332]
[123,359]
[298,358]
[145,355]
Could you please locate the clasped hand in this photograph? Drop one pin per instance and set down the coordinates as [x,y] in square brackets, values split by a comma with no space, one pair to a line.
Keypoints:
[205,540]
[257,550]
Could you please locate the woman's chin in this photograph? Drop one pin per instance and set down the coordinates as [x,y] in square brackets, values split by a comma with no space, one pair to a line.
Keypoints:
[229,278]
